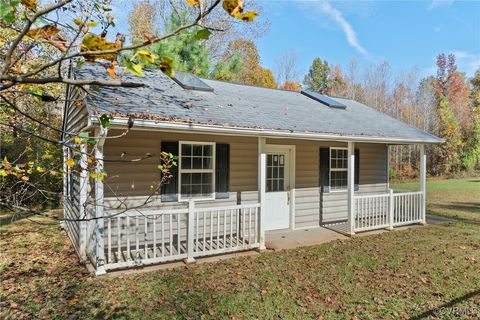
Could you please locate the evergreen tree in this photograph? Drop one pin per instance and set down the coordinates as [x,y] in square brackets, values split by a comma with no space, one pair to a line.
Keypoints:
[317,77]
[188,54]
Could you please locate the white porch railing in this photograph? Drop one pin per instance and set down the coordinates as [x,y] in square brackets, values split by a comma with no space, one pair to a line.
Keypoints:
[136,239]
[407,208]
[387,210]
[371,212]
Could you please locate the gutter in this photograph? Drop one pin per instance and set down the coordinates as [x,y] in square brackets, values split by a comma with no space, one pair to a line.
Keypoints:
[141,124]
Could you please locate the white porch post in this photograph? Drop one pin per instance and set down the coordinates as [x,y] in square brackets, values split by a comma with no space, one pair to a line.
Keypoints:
[99,223]
[351,187]
[391,209]
[82,203]
[262,165]
[190,231]
[423,182]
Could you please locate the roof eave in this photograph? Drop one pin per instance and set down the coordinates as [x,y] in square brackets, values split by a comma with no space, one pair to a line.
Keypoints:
[144,124]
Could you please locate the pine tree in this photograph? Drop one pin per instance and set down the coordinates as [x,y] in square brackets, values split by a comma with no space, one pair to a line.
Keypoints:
[317,77]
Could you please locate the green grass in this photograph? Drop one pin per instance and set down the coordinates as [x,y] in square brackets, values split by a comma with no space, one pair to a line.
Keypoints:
[401,274]
[456,198]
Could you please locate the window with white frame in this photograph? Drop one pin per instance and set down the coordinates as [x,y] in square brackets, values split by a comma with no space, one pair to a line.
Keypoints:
[197,168]
[338,168]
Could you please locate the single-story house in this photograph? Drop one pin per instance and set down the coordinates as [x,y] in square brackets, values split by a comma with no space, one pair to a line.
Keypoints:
[250,160]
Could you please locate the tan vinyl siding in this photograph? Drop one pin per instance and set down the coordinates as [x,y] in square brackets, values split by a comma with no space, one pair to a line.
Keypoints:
[307,177]
[133,179]
[372,179]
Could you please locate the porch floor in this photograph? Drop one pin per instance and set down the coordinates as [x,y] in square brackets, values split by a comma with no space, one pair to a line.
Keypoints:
[290,239]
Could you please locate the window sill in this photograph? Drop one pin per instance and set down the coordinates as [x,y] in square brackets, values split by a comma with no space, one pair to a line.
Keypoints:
[197,199]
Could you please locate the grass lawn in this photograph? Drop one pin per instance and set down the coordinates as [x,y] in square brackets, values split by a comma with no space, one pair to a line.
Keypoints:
[458,198]
[401,274]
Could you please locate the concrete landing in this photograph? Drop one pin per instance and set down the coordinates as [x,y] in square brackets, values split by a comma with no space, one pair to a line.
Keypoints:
[290,239]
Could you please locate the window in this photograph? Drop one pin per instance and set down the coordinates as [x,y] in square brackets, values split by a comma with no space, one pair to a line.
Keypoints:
[338,168]
[197,167]
[275,172]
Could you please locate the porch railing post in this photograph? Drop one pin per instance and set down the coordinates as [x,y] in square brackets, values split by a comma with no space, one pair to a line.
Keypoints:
[83,200]
[423,182]
[390,209]
[262,166]
[190,231]
[99,221]
[351,187]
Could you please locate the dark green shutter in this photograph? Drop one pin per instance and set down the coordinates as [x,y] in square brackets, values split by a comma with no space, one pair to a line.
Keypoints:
[357,168]
[170,189]
[324,169]
[222,171]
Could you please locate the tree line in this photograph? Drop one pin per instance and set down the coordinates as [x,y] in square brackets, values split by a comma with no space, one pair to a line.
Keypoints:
[446,105]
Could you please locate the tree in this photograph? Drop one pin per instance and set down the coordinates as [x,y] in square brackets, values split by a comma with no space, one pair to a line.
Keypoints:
[142,20]
[471,156]
[227,29]
[286,69]
[228,70]
[291,86]
[447,155]
[337,85]
[188,54]
[317,77]
[38,45]
[245,52]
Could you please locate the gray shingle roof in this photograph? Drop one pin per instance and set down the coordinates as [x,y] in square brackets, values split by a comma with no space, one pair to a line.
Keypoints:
[237,105]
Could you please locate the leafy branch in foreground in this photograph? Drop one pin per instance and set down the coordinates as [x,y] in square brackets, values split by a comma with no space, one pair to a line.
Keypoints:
[39,44]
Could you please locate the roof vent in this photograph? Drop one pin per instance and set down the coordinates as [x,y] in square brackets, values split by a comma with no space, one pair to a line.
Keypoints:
[324,99]
[191,82]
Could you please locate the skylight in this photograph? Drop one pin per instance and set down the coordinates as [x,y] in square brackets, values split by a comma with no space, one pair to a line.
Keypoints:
[191,82]
[324,99]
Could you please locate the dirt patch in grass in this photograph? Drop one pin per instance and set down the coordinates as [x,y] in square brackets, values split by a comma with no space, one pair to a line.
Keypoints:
[399,274]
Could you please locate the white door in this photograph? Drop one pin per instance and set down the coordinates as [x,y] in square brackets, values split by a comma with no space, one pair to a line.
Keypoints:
[277,195]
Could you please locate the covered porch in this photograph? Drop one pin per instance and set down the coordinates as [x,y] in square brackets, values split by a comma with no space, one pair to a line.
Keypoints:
[118,239]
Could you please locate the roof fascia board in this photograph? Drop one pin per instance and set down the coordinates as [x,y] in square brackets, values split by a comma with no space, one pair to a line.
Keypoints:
[140,124]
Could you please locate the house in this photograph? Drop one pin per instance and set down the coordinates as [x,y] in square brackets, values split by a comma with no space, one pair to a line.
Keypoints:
[250,160]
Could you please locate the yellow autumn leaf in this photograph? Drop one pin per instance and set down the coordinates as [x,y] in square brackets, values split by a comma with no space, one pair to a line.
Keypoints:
[77,140]
[147,55]
[92,42]
[233,7]
[5,161]
[111,72]
[166,65]
[247,16]
[30,4]
[70,162]
[91,24]
[78,22]
[193,3]
[3,173]
[92,175]
[40,169]
[45,32]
